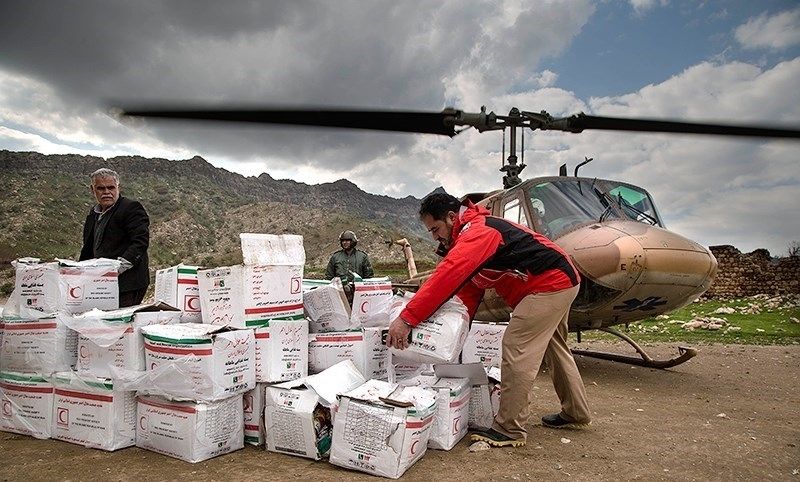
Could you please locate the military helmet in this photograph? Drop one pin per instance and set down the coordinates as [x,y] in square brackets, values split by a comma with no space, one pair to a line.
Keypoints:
[348,235]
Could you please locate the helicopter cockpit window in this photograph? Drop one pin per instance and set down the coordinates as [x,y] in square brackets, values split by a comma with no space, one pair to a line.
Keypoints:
[566,203]
[513,212]
[636,204]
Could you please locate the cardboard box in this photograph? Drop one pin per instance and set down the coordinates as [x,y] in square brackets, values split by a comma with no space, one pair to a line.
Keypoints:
[249,296]
[484,401]
[253,410]
[260,249]
[410,373]
[281,350]
[452,412]
[43,345]
[298,416]
[114,339]
[88,411]
[381,428]
[296,423]
[26,404]
[190,431]
[220,362]
[177,286]
[453,385]
[484,344]
[36,292]
[41,289]
[440,338]
[326,308]
[89,284]
[365,348]
[372,302]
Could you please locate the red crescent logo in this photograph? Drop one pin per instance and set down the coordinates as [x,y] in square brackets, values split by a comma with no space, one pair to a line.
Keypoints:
[363,306]
[295,286]
[61,418]
[143,423]
[191,303]
[414,447]
[73,290]
[455,425]
[84,351]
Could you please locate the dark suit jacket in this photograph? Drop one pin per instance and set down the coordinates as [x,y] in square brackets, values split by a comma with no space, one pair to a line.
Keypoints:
[126,235]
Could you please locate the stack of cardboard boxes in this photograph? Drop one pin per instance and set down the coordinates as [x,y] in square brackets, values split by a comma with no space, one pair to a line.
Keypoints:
[340,333]
[39,394]
[249,353]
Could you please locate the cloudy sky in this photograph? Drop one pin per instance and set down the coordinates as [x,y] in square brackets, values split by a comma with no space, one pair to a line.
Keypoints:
[63,63]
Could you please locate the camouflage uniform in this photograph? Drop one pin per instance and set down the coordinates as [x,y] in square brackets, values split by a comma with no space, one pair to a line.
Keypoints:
[341,264]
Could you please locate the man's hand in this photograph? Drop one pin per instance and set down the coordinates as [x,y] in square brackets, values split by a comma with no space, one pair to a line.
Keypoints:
[124,265]
[398,334]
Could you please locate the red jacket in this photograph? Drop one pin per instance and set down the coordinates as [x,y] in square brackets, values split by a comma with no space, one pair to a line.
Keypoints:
[491,252]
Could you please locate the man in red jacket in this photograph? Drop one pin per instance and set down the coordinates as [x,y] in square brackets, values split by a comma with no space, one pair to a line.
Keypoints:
[534,276]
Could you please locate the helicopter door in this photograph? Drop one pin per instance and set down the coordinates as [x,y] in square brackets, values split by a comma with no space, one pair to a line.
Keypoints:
[515,210]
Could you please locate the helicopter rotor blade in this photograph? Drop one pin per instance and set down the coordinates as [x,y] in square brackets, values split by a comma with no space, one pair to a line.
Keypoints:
[396,121]
[579,122]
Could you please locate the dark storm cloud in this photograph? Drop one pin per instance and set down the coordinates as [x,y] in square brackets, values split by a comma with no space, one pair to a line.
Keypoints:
[378,54]
[383,54]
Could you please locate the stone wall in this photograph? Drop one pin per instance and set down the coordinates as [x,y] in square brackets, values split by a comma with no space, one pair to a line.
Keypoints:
[749,274]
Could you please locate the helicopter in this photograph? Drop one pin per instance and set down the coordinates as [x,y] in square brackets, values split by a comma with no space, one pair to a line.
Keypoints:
[632,267]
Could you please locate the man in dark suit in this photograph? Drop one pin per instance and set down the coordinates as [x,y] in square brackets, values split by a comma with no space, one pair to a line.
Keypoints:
[118,228]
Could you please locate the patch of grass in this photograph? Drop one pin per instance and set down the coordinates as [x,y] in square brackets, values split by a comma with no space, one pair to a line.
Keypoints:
[756,321]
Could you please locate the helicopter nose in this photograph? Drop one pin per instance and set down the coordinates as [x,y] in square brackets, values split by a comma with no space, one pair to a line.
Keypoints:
[621,254]
[608,256]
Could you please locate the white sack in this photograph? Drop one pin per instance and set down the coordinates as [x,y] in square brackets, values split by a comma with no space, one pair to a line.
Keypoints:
[438,339]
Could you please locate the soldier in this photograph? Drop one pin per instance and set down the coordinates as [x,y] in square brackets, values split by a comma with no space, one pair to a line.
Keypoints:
[348,260]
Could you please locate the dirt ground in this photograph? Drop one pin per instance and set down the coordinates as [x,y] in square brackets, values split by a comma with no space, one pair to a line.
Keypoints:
[731,413]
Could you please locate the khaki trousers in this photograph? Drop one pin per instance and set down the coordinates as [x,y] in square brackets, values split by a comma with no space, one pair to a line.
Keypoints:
[538,328]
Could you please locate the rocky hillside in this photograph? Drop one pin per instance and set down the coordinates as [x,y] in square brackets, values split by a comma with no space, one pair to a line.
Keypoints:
[197,211]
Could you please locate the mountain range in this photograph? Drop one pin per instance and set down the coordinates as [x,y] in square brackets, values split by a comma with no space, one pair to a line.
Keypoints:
[197,212]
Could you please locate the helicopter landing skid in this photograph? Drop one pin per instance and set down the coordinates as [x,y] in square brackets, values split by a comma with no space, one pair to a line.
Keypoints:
[685,354]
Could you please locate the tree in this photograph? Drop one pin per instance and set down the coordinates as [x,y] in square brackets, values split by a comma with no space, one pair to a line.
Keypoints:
[794,248]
